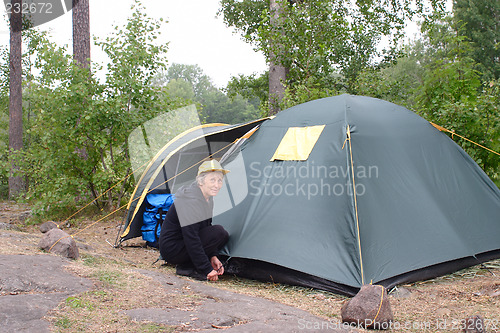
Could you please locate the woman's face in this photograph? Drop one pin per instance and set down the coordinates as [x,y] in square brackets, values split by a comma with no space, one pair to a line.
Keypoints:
[211,184]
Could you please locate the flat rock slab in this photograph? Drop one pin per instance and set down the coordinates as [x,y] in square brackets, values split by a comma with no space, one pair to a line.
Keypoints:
[30,286]
[8,226]
[232,311]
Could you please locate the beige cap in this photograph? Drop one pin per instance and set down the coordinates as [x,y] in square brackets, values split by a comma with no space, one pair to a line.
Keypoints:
[211,165]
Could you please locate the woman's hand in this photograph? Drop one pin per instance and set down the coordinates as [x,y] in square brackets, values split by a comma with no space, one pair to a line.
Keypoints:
[217,265]
[213,276]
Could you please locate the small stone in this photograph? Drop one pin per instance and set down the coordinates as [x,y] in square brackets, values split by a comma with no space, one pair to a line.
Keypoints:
[401,292]
[370,308]
[474,324]
[48,226]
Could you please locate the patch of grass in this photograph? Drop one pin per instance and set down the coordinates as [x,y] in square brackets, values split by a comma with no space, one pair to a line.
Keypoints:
[63,323]
[101,294]
[156,328]
[77,303]
[88,260]
[114,278]
[91,261]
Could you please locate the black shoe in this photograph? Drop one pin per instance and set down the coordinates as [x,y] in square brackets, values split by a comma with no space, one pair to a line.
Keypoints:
[198,276]
[184,269]
[190,271]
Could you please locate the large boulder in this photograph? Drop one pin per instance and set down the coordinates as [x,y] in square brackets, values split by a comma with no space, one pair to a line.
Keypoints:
[370,308]
[59,242]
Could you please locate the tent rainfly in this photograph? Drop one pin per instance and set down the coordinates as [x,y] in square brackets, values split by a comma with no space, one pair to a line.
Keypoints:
[337,193]
[350,190]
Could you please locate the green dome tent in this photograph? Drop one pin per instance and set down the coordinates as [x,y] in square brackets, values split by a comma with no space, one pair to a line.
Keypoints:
[349,190]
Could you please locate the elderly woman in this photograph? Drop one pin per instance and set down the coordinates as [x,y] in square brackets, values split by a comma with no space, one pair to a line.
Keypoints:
[188,239]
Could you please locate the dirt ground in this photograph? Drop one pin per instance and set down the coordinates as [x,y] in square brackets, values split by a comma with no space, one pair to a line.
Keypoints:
[125,279]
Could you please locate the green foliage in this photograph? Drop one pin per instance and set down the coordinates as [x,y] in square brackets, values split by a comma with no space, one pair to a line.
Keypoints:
[439,80]
[54,160]
[64,323]
[245,16]
[135,60]
[78,127]
[254,88]
[304,92]
[452,95]
[77,303]
[396,81]
[322,43]
[180,88]
[479,21]
[191,84]
[193,74]
[218,108]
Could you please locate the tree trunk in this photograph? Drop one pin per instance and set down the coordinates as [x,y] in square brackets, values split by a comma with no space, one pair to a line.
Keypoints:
[277,72]
[277,75]
[16,184]
[81,45]
[81,32]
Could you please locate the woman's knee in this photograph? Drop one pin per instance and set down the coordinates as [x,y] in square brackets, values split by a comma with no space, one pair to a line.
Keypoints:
[221,233]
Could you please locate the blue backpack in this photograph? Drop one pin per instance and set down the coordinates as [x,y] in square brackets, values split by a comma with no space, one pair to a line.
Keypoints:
[157,206]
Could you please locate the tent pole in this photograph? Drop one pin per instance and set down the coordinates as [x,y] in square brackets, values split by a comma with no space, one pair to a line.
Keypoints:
[355,205]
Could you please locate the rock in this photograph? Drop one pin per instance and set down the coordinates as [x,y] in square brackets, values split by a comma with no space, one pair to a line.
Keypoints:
[23,216]
[401,292]
[474,324]
[370,308]
[8,226]
[48,226]
[33,285]
[59,242]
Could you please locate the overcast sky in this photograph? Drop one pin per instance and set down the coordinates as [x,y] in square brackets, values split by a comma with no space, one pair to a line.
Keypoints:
[194,33]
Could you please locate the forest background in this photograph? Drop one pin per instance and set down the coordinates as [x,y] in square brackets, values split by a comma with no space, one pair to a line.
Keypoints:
[75,125]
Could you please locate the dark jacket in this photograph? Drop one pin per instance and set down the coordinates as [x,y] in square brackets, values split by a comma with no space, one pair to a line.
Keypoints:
[186,217]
